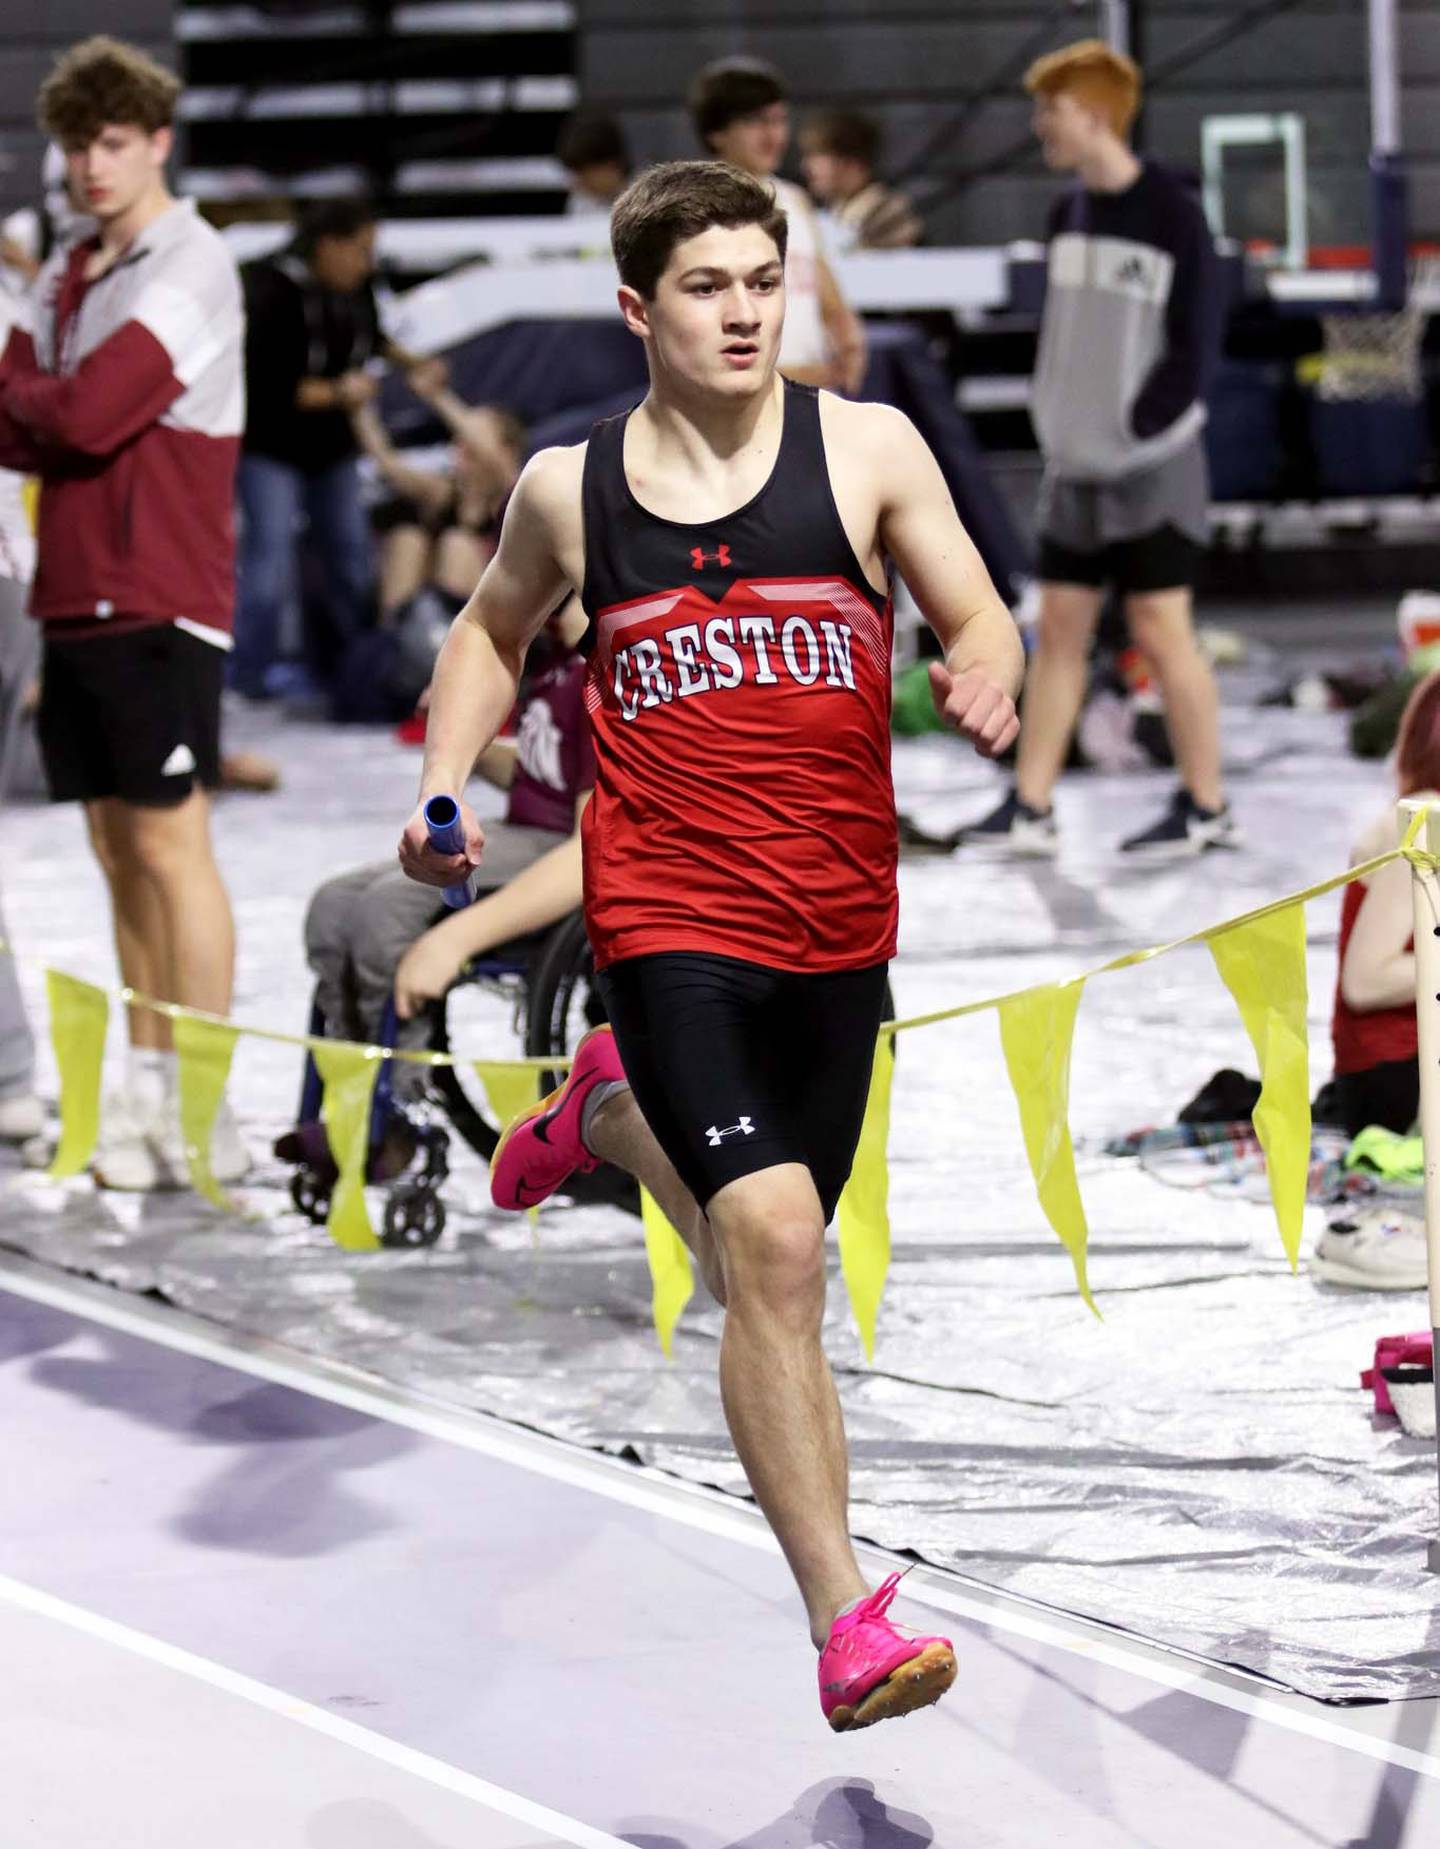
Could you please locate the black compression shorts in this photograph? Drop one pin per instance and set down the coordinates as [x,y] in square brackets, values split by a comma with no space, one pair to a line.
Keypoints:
[737,1067]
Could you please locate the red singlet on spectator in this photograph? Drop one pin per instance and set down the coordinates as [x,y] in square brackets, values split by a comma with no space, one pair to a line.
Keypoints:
[1379,1035]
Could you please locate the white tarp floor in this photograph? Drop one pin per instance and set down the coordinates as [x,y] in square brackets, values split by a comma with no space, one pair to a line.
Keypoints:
[1200,1469]
[247,1598]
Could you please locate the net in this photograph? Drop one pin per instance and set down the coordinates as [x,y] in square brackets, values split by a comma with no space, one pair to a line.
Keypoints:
[1372,356]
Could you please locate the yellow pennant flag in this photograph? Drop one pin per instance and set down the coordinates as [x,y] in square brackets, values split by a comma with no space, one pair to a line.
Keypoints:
[1036,1032]
[863,1215]
[672,1280]
[1263,966]
[203,1050]
[510,1089]
[349,1074]
[79,1014]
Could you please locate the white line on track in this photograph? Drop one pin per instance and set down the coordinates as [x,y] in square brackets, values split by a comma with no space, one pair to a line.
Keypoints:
[303,1714]
[660,1495]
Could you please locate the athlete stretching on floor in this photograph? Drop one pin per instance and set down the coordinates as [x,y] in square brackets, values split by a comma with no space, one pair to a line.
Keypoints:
[729,540]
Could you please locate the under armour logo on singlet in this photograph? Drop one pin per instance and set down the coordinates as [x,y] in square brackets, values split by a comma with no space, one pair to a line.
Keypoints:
[699,558]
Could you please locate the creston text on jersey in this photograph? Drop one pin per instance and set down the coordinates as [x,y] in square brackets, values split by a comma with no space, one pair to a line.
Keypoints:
[725,653]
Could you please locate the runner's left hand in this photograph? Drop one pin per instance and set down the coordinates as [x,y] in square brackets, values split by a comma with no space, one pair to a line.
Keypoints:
[976,707]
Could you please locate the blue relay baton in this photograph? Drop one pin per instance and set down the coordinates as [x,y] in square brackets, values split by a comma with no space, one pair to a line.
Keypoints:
[447,836]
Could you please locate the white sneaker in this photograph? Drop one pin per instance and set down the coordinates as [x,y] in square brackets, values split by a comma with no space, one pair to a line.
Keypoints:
[129,1156]
[1379,1248]
[229,1158]
[21,1118]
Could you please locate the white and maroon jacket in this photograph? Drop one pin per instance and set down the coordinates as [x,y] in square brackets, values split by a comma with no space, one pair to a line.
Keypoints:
[127,399]
[17,540]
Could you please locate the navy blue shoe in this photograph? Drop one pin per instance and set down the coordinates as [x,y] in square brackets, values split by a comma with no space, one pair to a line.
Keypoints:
[1184,831]
[1015,828]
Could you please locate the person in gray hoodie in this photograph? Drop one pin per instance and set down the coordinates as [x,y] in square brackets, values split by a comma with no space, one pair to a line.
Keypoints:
[1130,334]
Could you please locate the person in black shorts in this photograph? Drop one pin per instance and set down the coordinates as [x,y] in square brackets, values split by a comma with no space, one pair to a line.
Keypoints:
[730,539]
[1129,337]
[125,399]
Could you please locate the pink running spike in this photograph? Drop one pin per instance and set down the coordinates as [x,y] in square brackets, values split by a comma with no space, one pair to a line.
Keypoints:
[543,1147]
[871,1671]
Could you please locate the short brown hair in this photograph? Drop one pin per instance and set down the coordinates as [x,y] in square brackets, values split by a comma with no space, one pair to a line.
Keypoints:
[679,200]
[1093,73]
[103,80]
[592,139]
[845,133]
[731,88]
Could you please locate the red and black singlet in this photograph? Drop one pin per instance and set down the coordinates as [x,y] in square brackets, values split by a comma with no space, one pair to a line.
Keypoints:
[739,692]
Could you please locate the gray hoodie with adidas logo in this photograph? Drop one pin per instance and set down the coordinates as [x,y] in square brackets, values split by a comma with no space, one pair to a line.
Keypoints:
[1131,329]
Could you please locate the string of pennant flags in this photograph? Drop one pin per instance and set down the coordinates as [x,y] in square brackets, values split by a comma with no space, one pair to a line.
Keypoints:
[1259,955]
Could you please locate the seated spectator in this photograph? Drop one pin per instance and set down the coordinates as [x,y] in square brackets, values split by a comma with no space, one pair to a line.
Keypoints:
[593,151]
[838,152]
[313,335]
[1377,1063]
[438,529]
[373,933]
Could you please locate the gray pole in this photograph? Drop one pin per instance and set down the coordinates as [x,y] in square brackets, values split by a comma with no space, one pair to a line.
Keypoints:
[1388,190]
[1115,23]
[1384,78]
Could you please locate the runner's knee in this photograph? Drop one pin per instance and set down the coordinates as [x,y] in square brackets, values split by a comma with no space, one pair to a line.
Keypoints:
[778,1261]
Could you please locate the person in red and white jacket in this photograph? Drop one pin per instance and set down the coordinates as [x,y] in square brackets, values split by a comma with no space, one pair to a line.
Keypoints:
[125,396]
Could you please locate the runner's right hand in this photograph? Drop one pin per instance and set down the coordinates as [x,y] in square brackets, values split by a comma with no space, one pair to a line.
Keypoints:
[421,862]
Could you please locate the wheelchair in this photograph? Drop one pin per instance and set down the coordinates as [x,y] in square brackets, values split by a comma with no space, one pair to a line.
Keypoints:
[546,981]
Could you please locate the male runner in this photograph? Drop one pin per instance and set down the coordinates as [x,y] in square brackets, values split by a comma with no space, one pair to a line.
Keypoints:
[729,539]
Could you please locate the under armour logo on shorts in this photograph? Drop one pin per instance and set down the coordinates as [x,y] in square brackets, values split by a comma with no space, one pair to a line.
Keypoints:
[699,558]
[717,1137]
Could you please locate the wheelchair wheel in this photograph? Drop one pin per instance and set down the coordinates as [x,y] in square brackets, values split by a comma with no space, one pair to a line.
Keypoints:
[311,1194]
[564,1002]
[414,1216]
[463,1098]
[461,1107]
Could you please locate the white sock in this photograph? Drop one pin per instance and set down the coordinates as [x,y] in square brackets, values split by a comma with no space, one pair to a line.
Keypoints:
[153,1071]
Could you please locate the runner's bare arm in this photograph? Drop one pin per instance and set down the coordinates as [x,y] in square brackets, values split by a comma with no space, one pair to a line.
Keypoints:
[477,674]
[921,532]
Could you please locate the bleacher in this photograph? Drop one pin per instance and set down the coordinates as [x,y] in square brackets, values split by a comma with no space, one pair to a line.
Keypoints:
[440,107]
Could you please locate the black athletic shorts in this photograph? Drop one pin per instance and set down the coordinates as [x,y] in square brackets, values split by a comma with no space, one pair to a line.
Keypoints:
[135,715]
[1164,560]
[737,1067]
